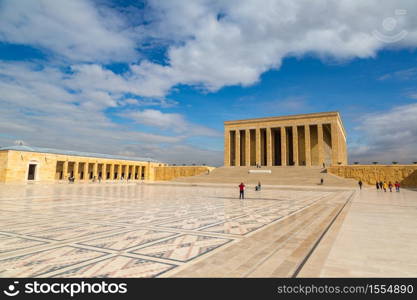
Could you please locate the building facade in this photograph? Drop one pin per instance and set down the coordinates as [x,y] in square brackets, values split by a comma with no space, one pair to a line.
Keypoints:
[297,140]
[23,163]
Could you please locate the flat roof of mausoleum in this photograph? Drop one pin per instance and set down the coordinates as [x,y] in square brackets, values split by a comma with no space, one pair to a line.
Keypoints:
[75,153]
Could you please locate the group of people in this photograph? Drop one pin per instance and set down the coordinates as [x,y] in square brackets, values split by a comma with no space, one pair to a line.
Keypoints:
[71,179]
[242,188]
[379,186]
[384,186]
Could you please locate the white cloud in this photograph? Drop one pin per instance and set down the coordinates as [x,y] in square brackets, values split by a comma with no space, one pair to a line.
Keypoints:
[210,44]
[156,118]
[171,122]
[250,38]
[44,107]
[161,102]
[72,29]
[388,136]
[412,95]
[406,74]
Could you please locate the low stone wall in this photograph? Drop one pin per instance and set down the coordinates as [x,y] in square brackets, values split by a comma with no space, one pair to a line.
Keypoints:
[172,172]
[370,174]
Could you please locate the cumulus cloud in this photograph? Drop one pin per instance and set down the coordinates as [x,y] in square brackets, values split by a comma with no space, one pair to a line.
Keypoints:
[208,44]
[44,107]
[72,29]
[219,43]
[170,121]
[388,136]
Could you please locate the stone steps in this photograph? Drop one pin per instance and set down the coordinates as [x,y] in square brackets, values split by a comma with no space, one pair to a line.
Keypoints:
[279,176]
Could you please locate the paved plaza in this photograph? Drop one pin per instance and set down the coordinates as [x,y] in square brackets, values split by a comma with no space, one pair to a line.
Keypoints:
[178,230]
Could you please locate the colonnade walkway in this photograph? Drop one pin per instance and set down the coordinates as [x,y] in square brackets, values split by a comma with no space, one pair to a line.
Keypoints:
[298,176]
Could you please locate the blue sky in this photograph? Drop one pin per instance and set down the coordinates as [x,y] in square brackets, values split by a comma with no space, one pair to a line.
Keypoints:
[159,78]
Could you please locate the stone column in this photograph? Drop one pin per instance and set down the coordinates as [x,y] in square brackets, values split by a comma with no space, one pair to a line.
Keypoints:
[95,170]
[227,148]
[148,171]
[103,172]
[283,146]
[307,144]
[258,146]
[335,143]
[237,148]
[86,175]
[123,171]
[119,171]
[133,172]
[111,172]
[140,172]
[295,145]
[247,147]
[320,143]
[76,166]
[65,170]
[269,146]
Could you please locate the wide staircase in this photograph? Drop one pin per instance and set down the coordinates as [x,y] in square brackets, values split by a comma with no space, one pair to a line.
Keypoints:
[301,176]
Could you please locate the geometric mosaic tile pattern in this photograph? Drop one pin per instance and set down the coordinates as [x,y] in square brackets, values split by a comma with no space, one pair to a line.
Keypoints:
[126,240]
[10,243]
[240,226]
[120,267]
[128,230]
[38,263]
[183,248]
[74,232]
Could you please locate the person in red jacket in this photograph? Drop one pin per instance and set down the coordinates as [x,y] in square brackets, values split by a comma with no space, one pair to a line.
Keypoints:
[397,186]
[241,191]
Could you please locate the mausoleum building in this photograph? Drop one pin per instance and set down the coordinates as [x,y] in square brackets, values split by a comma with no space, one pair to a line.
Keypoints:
[298,140]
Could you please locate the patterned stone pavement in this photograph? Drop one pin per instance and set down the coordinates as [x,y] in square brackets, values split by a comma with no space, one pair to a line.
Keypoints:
[115,230]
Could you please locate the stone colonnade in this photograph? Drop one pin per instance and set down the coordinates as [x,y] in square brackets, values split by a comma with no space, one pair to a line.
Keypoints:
[303,140]
[100,170]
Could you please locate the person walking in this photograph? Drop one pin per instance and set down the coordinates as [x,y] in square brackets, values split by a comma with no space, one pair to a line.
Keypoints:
[241,191]
[397,186]
[385,186]
[381,185]
[360,184]
[390,186]
[377,185]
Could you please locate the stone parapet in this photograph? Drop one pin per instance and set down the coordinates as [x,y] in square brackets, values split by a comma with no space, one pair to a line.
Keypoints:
[172,172]
[370,174]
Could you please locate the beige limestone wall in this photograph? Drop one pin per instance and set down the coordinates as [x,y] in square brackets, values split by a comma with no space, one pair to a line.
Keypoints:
[172,172]
[3,165]
[18,164]
[327,145]
[314,146]
[370,174]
